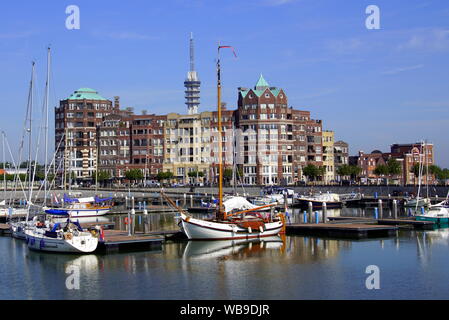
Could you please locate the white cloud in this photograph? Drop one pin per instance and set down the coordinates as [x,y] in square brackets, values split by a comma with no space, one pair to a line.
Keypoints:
[125,35]
[403,69]
[427,39]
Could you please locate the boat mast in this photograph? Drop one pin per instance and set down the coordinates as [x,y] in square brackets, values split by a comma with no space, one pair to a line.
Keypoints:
[427,170]
[4,165]
[30,110]
[221,211]
[47,91]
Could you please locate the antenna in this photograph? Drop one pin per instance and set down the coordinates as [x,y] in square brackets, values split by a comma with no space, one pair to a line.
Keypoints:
[192,53]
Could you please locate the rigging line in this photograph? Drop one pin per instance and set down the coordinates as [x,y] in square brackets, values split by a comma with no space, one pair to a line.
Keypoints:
[49,167]
[13,162]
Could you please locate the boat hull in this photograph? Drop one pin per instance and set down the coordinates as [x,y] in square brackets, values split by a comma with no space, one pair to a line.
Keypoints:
[79,213]
[78,244]
[197,229]
[319,204]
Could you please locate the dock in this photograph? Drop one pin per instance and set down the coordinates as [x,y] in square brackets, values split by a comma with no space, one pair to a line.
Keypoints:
[4,229]
[406,222]
[118,240]
[343,230]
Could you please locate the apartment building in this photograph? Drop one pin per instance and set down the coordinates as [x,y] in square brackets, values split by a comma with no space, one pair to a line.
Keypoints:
[76,121]
[328,156]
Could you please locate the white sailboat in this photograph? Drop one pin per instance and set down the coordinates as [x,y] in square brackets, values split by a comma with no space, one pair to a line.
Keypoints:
[245,224]
[419,201]
[68,238]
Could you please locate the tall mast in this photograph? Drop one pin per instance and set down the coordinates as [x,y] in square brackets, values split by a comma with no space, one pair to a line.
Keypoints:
[221,211]
[47,93]
[4,165]
[30,112]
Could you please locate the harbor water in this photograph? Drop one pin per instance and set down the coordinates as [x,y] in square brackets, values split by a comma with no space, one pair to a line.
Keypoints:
[411,265]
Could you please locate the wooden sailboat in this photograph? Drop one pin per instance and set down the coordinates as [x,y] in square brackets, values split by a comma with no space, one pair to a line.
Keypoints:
[244,224]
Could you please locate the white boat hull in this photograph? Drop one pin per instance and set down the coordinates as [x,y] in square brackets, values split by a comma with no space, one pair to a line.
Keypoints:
[79,213]
[197,229]
[84,243]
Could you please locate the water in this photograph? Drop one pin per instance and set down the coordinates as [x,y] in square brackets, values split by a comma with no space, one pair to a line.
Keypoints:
[413,265]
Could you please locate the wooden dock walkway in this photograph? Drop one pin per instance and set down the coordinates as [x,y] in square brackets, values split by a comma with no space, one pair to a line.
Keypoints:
[4,229]
[347,230]
[409,221]
[117,240]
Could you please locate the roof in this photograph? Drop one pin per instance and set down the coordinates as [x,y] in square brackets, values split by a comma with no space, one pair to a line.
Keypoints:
[85,93]
[262,84]
[260,88]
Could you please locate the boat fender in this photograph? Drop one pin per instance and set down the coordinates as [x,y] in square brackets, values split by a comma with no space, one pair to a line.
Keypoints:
[261,229]
[234,228]
[250,230]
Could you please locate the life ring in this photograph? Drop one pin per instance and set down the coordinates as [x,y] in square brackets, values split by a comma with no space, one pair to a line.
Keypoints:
[128,220]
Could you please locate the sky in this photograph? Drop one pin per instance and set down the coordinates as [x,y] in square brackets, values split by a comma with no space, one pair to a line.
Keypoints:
[373,87]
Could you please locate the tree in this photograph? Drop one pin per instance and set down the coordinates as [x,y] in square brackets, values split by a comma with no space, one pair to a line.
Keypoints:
[164,175]
[381,170]
[394,167]
[194,174]
[134,174]
[311,172]
[344,170]
[354,171]
[102,176]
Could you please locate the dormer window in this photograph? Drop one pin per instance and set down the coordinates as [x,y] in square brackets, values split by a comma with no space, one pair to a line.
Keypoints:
[251,96]
[267,95]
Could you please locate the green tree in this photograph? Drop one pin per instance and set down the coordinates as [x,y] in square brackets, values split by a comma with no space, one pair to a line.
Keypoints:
[164,175]
[311,172]
[102,176]
[194,174]
[134,174]
[354,171]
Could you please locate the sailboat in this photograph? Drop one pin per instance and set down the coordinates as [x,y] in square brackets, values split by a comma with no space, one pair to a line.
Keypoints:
[244,224]
[419,201]
[438,213]
[66,237]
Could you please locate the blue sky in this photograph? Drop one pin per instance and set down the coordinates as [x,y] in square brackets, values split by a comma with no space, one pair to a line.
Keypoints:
[372,87]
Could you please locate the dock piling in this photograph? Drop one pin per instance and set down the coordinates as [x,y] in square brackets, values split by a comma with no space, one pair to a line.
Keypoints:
[324,212]
[395,208]
[305,216]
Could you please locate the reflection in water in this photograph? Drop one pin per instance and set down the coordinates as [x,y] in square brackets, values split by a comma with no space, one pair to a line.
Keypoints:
[292,267]
[235,249]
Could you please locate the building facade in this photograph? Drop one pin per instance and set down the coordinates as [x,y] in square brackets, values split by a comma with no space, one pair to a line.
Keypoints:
[76,121]
[328,156]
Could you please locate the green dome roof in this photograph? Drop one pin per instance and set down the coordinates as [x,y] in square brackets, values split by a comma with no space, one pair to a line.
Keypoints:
[85,93]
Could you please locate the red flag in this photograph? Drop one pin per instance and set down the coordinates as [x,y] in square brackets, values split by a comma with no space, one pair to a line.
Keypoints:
[233,51]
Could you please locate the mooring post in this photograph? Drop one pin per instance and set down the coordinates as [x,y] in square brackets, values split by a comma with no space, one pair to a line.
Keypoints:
[310,210]
[317,217]
[305,216]
[395,208]
[133,211]
[191,200]
[380,208]
[376,213]
[375,195]
[324,212]
[128,223]
[126,202]
[422,210]
[145,211]
[185,200]
[140,205]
